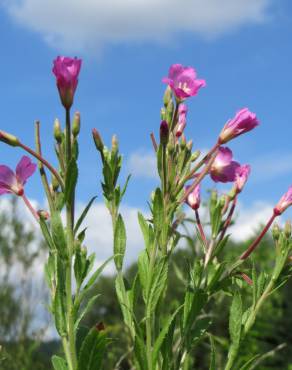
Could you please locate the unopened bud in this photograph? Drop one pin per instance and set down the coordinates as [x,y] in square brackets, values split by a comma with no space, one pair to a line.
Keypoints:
[163,114]
[288,229]
[169,111]
[115,144]
[97,140]
[55,183]
[164,131]
[183,142]
[190,145]
[214,196]
[43,215]
[171,143]
[222,200]
[276,231]
[167,97]
[76,124]
[8,139]
[83,251]
[195,155]
[57,131]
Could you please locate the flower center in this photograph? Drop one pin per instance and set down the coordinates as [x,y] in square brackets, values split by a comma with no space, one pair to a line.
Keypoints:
[184,86]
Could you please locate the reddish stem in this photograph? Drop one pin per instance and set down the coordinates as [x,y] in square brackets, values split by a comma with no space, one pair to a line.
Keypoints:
[30,207]
[44,161]
[204,160]
[199,178]
[200,227]
[255,243]
[228,220]
[153,141]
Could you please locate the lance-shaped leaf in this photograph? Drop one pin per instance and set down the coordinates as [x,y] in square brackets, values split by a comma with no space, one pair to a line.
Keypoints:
[158,214]
[119,242]
[71,180]
[83,215]
[58,234]
[59,363]
[162,336]
[85,310]
[235,326]
[92,350]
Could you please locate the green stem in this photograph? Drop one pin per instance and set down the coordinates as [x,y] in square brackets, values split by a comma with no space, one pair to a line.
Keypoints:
[70,246]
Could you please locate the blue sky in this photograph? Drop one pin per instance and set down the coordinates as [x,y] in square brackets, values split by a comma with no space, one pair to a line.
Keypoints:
[242,50]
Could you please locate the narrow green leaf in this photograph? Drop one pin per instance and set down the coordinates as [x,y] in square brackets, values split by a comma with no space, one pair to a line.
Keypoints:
[71,180]
[92,350]
[59,363]
[83,214]
[47,235]
[119,242]
[213,354]
[249,363]
[143,267]
[235,319]
[140,352]
[144,228]
[60,311]
[58,234]
[162,335]
[86,309]
[95,276]
[158,214]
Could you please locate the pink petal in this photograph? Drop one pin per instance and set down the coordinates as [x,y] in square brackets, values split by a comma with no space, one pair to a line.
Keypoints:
[25,169]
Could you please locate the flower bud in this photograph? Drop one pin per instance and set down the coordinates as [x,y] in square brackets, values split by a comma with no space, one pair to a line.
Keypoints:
[115,144]
[164,131]
[195,155]
[276,231]
[169,111]
[171,143]
[163,114]
[190,145]
[288,229]
[167,97]
[43,215]
[55,183]
[97,140]
[76,124]
[57,131]
[183,142]
[8,139]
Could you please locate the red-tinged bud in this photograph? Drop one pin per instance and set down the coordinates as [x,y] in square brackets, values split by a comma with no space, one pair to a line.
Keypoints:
[43,214]
[97,140]
[115,144]
[9,139]
[164,132]
[100,326]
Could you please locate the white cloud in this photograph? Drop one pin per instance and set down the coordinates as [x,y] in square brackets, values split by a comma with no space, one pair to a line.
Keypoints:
[143,164]
[270,166]
[75,25]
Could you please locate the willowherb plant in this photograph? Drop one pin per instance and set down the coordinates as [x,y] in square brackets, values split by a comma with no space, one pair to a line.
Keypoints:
[156,341]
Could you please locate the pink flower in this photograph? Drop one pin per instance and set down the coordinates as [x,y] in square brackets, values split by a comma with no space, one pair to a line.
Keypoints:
[241,176]
[66,71]
[243,121]
[182,119]
[284,202]
[224,168]
[11,182]
[183,81]
[194,198]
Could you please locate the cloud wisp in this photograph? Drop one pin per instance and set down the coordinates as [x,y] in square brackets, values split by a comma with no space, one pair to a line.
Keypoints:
[89,25]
